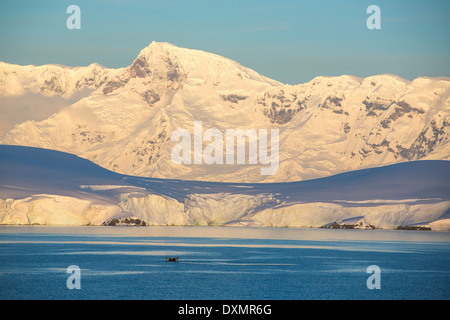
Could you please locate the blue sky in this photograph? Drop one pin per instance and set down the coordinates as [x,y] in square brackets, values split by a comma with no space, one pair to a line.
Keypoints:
[290,41]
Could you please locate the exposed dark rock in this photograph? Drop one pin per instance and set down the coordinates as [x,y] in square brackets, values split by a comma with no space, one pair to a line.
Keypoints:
[125,221]
[84,136]
[149,149]
[283,106]
[114,85]
[150,97]
[140,68]
[93,82]
[413,228]
[336,225]
[374,107]
[332,101]
[401,109]
[52,85]
[346,127]
[351,223]
[174,72]
[233,98]
[334,104]
[430,138]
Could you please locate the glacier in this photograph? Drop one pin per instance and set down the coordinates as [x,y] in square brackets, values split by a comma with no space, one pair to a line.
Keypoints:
[47,187]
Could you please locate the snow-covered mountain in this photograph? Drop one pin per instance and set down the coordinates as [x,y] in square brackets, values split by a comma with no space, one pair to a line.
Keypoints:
[123,119]
[48,187]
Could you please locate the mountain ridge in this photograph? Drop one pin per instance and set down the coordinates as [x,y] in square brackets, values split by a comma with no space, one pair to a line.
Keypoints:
[123,118]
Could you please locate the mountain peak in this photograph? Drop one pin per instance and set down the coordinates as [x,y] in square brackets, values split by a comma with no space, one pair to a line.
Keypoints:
[158,44]
[165,48]
[126,116]
[155,47]
[174,61]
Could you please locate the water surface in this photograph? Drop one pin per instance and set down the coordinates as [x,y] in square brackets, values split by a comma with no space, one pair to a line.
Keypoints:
[222,263]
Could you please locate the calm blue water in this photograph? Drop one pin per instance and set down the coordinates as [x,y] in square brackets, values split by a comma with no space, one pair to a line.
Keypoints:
[222,263]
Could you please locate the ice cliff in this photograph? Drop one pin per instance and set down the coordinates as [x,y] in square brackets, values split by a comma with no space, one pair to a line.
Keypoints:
[45,187]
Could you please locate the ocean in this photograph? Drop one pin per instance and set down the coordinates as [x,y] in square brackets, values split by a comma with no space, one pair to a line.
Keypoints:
[231,263]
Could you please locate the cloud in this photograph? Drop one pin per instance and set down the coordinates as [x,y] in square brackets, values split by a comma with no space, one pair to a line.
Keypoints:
[29,106]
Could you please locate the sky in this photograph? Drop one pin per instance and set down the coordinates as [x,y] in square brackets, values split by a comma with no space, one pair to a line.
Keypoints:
[289,41]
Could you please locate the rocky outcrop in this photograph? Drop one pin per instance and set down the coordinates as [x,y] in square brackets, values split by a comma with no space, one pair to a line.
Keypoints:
[351,223]
[129,221]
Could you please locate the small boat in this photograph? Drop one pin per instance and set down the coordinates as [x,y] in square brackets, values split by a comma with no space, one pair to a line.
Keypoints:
[172,259]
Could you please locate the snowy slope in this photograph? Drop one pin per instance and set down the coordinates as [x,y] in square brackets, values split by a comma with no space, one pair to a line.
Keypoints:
[123,119]
[50,80]
[39,186]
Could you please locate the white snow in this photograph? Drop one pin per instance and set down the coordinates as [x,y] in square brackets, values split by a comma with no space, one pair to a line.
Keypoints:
[45,209]
[122,119]
[319,214]
[52,188]
[155,209]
